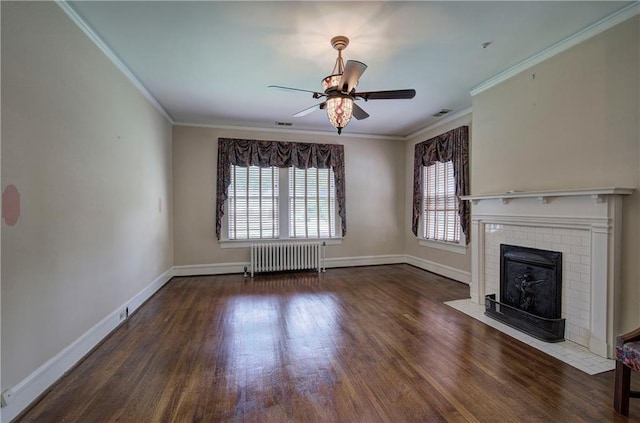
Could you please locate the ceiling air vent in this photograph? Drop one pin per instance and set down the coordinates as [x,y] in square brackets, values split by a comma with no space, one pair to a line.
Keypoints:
[284,123]
[442,112]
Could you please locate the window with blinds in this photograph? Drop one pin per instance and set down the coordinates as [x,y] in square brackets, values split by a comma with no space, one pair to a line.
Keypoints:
[253,203]
[440,219]
[312,203]
[271,203]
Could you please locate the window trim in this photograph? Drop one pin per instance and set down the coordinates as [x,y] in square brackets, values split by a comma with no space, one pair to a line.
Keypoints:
[435,199]
[245,152]
[459,246]
[453,247]
[452,145]
[283,197]
[225,220]
[244,243]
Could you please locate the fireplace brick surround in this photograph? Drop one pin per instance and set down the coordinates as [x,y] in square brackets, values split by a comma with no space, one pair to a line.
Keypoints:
[582,224]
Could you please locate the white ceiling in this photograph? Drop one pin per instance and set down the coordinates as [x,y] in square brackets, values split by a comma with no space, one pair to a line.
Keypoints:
[211,62]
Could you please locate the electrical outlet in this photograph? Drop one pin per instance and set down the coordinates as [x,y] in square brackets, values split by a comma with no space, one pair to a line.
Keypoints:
[7,397]
[123,314]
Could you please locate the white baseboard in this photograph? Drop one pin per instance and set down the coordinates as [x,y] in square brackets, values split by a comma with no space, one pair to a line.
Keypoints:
[137,300]
[34,385]
[30,388]
[210,269]
[227,268]
[440,269]
[365,260]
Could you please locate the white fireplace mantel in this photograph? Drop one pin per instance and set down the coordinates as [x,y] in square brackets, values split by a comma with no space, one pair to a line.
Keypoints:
[582,223]
[544,196]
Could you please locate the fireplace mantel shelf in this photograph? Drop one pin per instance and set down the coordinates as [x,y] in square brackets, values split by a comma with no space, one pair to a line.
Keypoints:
[543,196]
[585,223]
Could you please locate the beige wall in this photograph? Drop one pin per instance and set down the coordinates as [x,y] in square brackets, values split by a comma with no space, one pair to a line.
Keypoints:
[374,191]
[454,260]
[92,159]
[96,169]
[572,121]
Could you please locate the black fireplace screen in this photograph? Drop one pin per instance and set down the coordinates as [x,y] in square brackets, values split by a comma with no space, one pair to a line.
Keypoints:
[531,280]
[530,292]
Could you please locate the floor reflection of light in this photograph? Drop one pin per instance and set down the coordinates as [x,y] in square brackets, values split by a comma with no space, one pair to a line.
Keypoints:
[312,329]
[253,337]
[269,337]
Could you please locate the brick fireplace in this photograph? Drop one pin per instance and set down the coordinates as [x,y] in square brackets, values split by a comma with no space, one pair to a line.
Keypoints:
[584,225]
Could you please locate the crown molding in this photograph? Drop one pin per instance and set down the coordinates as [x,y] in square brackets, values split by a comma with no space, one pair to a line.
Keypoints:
[446,119]
[292,131]
[77,19]
[591,31]
[583,35]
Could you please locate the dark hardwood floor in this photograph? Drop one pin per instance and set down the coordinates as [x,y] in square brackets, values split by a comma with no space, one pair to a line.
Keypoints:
[368,344]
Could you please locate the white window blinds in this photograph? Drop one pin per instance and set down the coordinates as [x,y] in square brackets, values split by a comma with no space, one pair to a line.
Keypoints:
[440,206]
[272,203]
[253,203]
[312,203]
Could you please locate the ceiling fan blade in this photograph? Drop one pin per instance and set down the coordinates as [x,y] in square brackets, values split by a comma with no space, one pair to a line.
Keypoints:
[358,113]
[310,109]
[387,95]
[316,94]
[351,75]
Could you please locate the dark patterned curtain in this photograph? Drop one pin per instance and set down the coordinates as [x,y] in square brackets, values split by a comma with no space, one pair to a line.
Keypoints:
[280,154]
[450,146]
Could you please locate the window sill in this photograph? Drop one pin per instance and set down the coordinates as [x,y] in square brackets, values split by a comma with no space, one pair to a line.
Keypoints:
[442,245]
[244,243]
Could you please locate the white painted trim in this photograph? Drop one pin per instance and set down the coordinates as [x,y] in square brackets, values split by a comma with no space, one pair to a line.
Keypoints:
[34,385]
[29,389]
[335,262]
[589,32]
[547,221]
[575,210]
[452,247]
[364,260]
[238,267]
[210,269]
[440,269]
[230,243]
[444,120]
[141,297]
[90,33]
[330,133]
[544,196]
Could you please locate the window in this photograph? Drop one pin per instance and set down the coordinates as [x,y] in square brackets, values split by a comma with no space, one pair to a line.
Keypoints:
[440,218]
[312,203]
[441,170]
[271,203]
[253,203]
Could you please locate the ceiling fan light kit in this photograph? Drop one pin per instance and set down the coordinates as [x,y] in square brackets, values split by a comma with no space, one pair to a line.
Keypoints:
[340,90]
[339,111]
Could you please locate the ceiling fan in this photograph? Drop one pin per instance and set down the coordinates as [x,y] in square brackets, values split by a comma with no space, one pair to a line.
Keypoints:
[340,90]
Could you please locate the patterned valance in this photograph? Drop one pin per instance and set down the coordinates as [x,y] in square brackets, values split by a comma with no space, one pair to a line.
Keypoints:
[451,146]
[246,153]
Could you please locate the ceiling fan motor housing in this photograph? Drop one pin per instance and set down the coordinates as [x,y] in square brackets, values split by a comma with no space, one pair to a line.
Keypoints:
[339,42]
[340,90]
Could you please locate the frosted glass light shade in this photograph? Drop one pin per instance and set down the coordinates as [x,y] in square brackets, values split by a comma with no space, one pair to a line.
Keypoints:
[331,82]
[339,111]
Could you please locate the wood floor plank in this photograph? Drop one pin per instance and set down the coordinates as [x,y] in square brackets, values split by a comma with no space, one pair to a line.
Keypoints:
[367,344]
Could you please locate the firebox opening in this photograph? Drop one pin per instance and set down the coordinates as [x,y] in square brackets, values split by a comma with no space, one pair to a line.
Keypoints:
[530,292]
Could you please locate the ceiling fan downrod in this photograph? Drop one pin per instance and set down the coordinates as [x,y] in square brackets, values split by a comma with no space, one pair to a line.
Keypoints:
[339,89]
[339,42]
